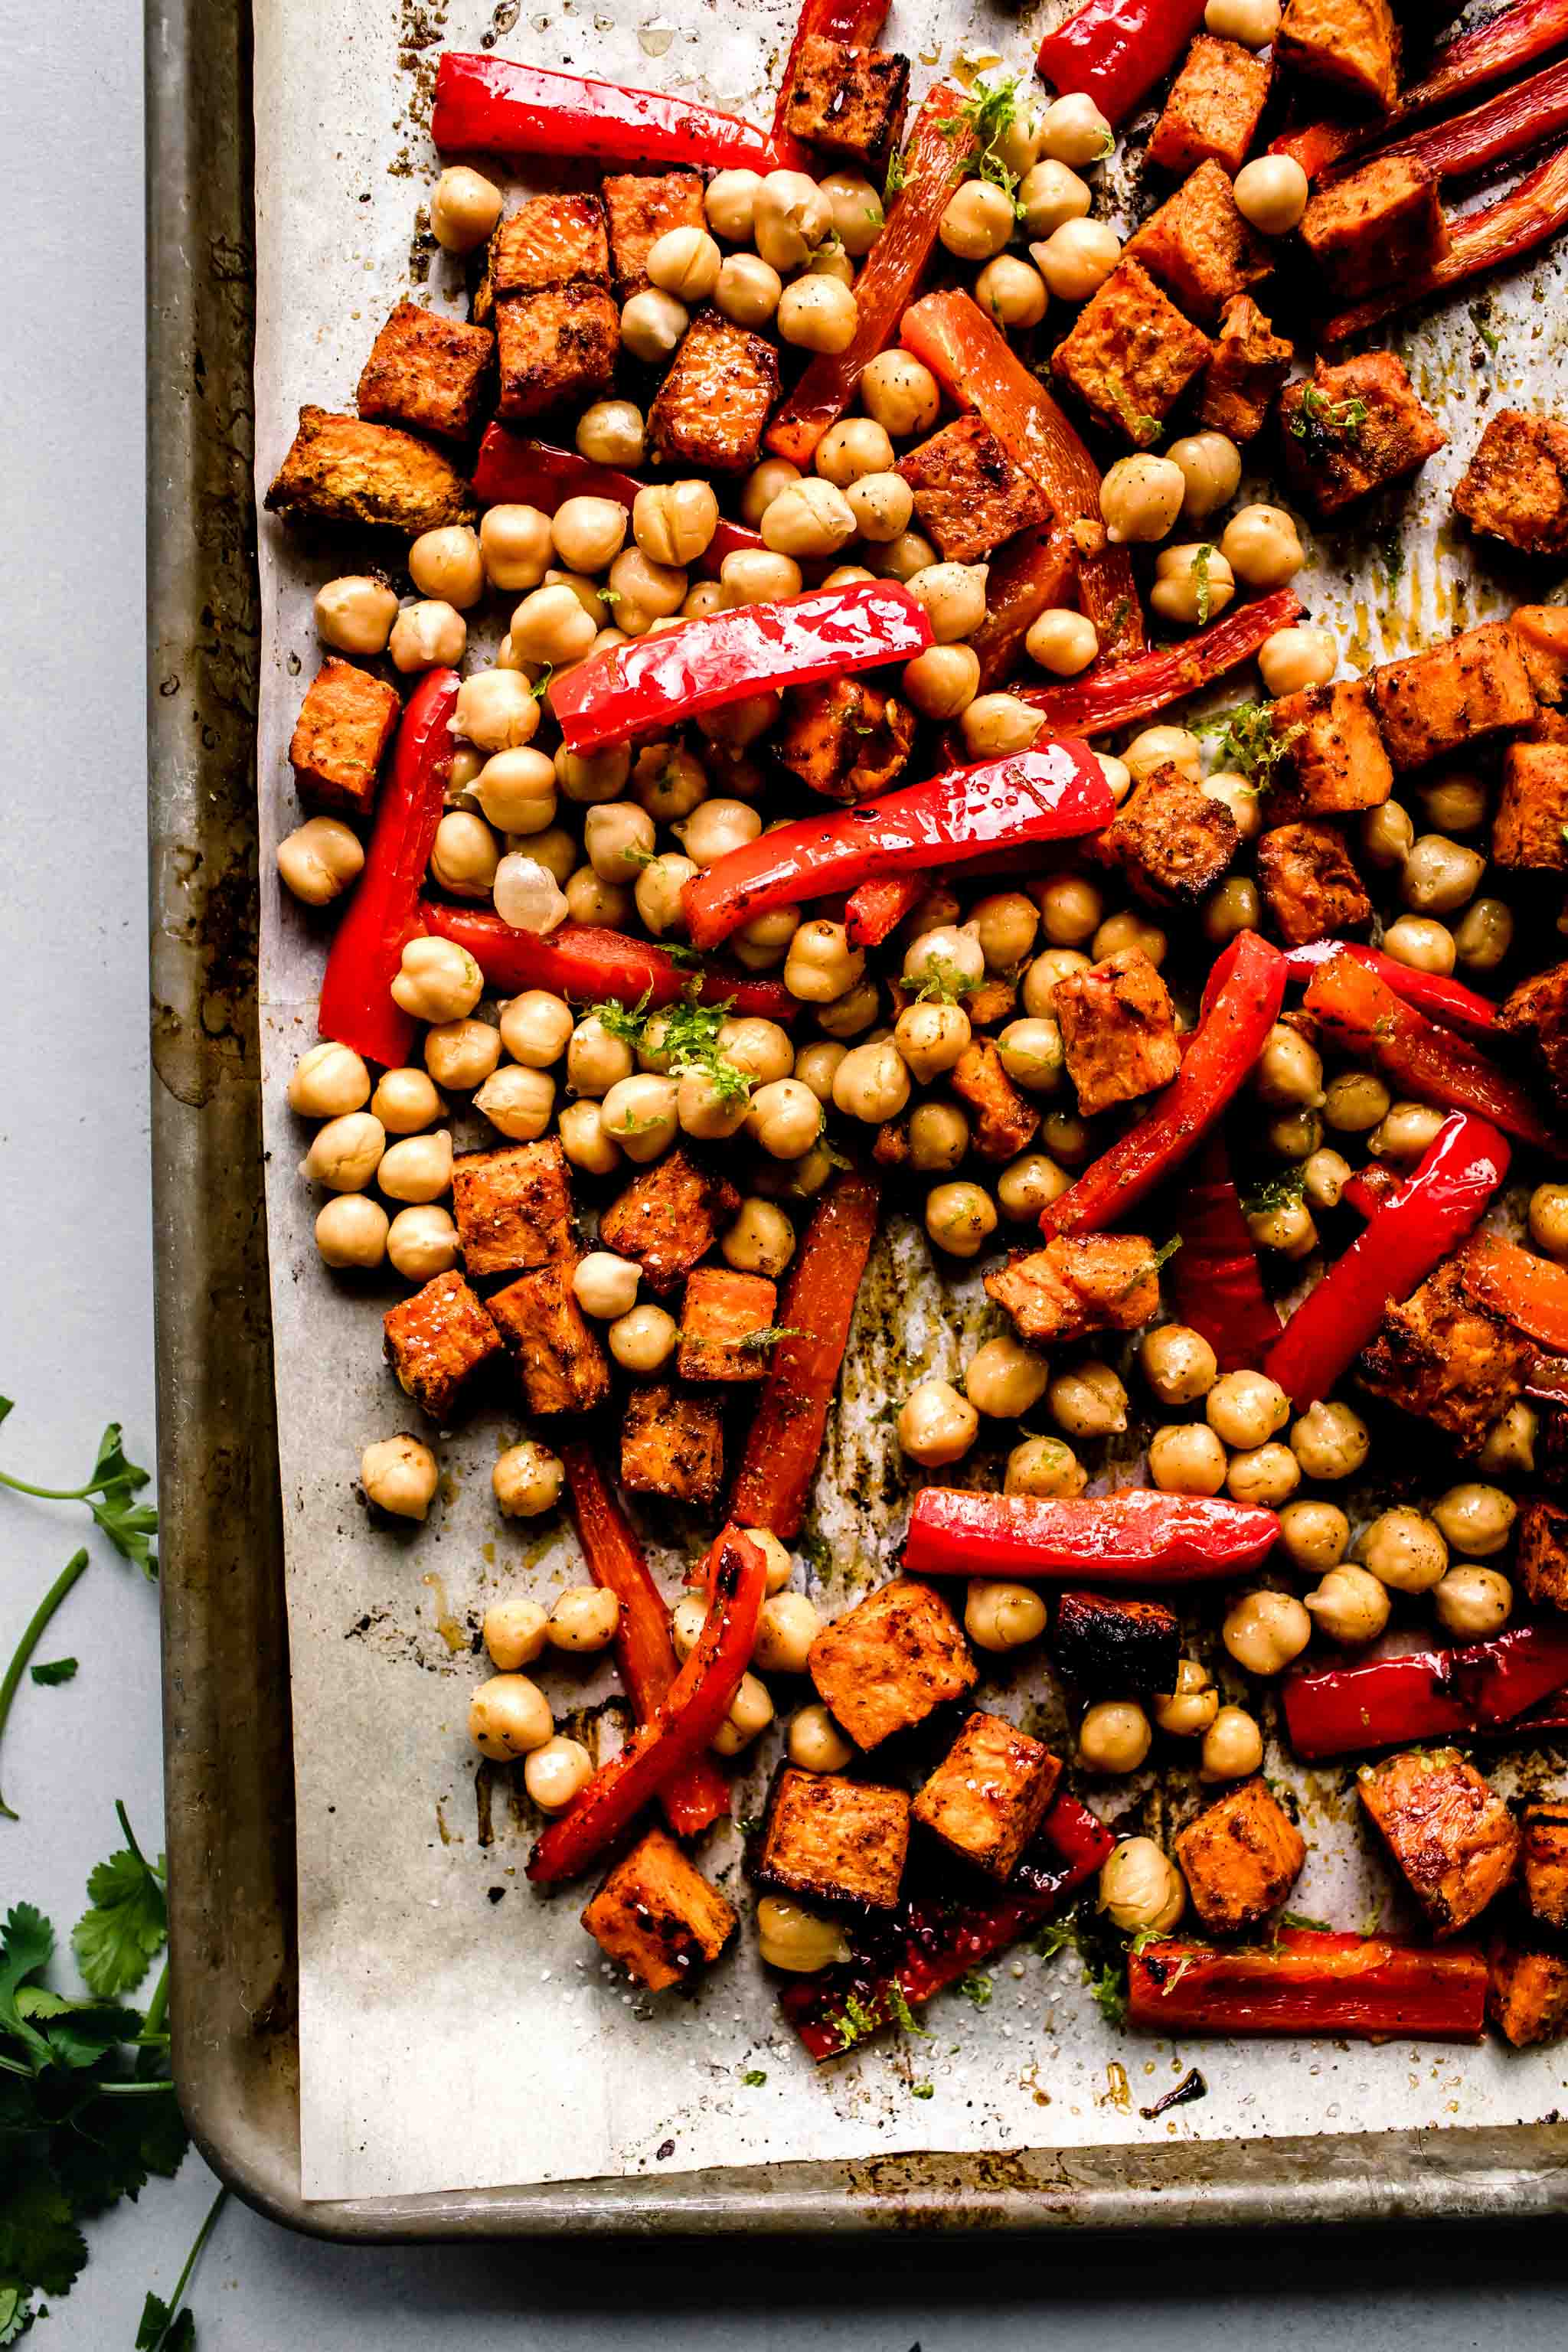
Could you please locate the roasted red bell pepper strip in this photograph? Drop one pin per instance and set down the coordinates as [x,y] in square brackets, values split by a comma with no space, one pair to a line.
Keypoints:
[699,1794]
[879,906]
[1120,694]
[655,681]
[1447,1001]
[512,471]
[1215,1280]
[1503,232]
[855,22]
[931,1941]
[678,1732]
[382,915]
[1425,1694]
[492,106]
[1035,572]
[1503,126]
[1370,1189]
[934,157]
[585,964]
[1528,1291]
[969,355]
[1360,1009]
[774,1482]
[1138,1536]
[1055,793]
[1114,51]
[1244,992]
[1364,1987]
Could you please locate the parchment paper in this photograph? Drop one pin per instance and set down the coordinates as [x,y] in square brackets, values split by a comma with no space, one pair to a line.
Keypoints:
[457,2031]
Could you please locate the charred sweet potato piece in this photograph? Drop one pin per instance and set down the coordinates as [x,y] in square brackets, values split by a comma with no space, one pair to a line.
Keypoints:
[1374,225]
[1348,430]
[672,1443]
[513,1207]
[847,738]
[427,371]
[1441,1357]
[1537,1012]
[848,101]
[1216,105]
[556,345]
[1351,44]
[1527,1999]
[1310,884]
[346,722]
[549,241]
[669,1217]
[1199,247]
[1540,633]
[1240,1858]
[1334,761]
[436,1341]
[1004,1121]
[1452,694]
[1249,365]
[712,405]
[1080,1283]
[1541,1562]
[1119,1030]
[1544,1871]
[1131,354]
[1532,808]
[1111,1646]
[657,1915]
[721,1318]
[890,1661]
[1169,839]
[344,470]
[990,1793]
[1452,1836]
[560,1362]
[969,495]
[830,1840]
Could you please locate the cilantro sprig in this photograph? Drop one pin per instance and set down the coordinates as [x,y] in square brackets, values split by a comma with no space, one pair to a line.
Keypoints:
[682,1037]
[984,118]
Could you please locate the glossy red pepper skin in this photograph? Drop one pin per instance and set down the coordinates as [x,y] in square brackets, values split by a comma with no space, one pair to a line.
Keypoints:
[1136,1537]
[854,22]
[657,681]
[1244,992]
[1215,1281]
[486,105]
[679,1730]
[382,915]
[1447,1001]
[699,1794]
[877,908]
[1521,116]
[1120,694]
[510,469]
[1391,1256]
[1528,1291]
[1304,1982]
[1114,51]
[1425,1694]
[587,964]
[1526,217]
[1057,793]
[1370,1189]
[929,1942]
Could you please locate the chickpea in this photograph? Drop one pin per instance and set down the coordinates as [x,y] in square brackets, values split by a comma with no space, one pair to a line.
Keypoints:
[819,314]
[351,1231]
[1271,194]
[1286,1227]
[901,392]
[1440,875]
[1404,1550]
[422,1242]
[418,1169]
[428,635]
[1266,1630]
[1141,499]
[959,1218]
[996,724]
[949,954]
[516,790]
[761,1048]
[943,681]
[464,208]
[604,1285]
[1044,1466]
[1210,466]
[977,222]
[1410,1130]
[1115,1735]
[1165,746]
[345,1154]
[1031,1054]
[1141,1888]
[761,1240]
[716,828]
[1472,1602]
[1004,1379]
[1252,22]
[929,1038]
[447,563]
[1178,1364]
[1117,773]
[856,207]
[464,856]
[1233,907]
[1295,1135]
[1476,1519]
[399,1476]
[809,518]
[1315,1535]
[790,1624]
[1350,1605]
[939,1138]
[1324,1175]
[1187,1712]
[705,1109]
[1188,1458]
[815,1742]
[1331,1441]
[1089,1401]
[1421,943]
[590,533]
[759,576]
[1014,294]
[1264,1475]
[609,433]
[684,262]
[354,614]
[790,218]
[784,1118]
[659,892]
[1484,934]
[790,1937]
[652,324]
[556,1774]
[750,1712]
[901,557]
[1548,1218]
[872,1082]
[513,1629]
[549,626]
[584,1618]
[1356,1101]
[881,505]
[596,1059]
[527,1479]
[1290,1070]
[1293,660]
[601,775]
[581,1125]
[321,857]
[1076,258]
[508,1716]
[1070,1138]
[730,204]
[1246,1408]
[1041,977]
[640,1114]
[461,1054]
[1232,1746]
[327,1080]
[852,449]
[1509,1447]
[644,1339]
[1262,546]
[1073,131]
[1003,1616]
[1240,797]
[953,595]
[1063,643]
[821,964]
[1051,193]
[1386,834]
[1191,583]
[816,1066]
[741,723]
[646,588]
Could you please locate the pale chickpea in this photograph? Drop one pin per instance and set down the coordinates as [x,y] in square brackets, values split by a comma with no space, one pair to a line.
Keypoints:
[763,484]
[761,1048]
[1232,1746]
[447,563]
[640,1114]
[1266,1630]
[1141,499]
[518,1102]
[1089,1401]
[1285,1225]
[1315,1536]
[1011,292]
[596,1058]
[816,1066]
[1004,1379]
[1115,1737]
[1236,793]
[1271,194]
[399,1475]
[789,1624]
[750,1712]
[1141,1889]
[354,614]
[1331,1441]
[1421,943]
[1386,835]
[1295,1134]
[345,1153]
[419,1168]
[1246,1408]
[674,523]
[929,1038]
[977,222]
[516,790]
[949,954]
[684,262]
[464,208]
[1062,642]
[1509,1447]
[1004,922]
[581,1125]
[1410,1130]
[815,1742]
[1073,130]
[461,1054]
[761,1240]
[556,1774]
[604,1285]
[901,557]
[959,1218]
[1289,1072]
[1187,1712]
[321,857]
[609,433]
[784,1118]
[650,589]
[1117,773]
[998,1617]
[659,892]
[1404,1550]
[428,635]
[652,324]
[705,1108]
[857,209]
[1070,1138]
[1210,466]
[584,1618]
[716,829]
[993,725]
[1193,583]
[729,204]
[327,1080]
[1549,1219]
[1044,1466]
[1356,1101]
[351,1231]
[943,681]
[508,1716]
[1472,1602]
[600,775]
[1031,1054]
[1233,906]
[1165,746]
[1188,1458]
[756,575]
[817,314]
[882,506]
[1178,1364]
[1476,1519]
[1252,22]
[422,1242]
[549,626]
[808,519]
[1350,1605]
[513,1629]
[517,546]
[872,1082]
[901,392]
[1262,546]
[464,856]
[821,964]
[527,1481]
[790,1937]
[1263,1476]
[590,533]
[1324,1176]
[1295,658]
[939,1138]
[1049,193]
[954,596]
[1440,876]
[790,218]
[1053,964]
[1076,258]
[1484,934]
[668,783]
[644,1339]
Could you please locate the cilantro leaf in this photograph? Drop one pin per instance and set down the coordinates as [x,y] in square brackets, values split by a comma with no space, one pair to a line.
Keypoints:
[55,1672]
[1108,1990]
[115,1941]
[16,2314]
[26,1946]
[753,2078]
[1248,744]
[39,2241]
[976,1987]
[1201,558]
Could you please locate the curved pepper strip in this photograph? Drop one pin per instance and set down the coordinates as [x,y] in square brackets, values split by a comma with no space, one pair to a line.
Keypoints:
[1499,128]
[679,1730]
[653,682]
[879,906]
[1057,793]
[1243,994]
[510,469]
[1136,1537]
[1364,1987]
[1216,1285]
[1390,1258]
[492,106]
[357,1007]
[586,963]
[1114,51]
[1447,1001]
[1529,1292]
[1120,694]
[1033,573]
[1425,1694]
[855,22]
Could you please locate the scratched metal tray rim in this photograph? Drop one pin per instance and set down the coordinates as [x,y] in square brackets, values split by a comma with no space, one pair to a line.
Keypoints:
[228,1771]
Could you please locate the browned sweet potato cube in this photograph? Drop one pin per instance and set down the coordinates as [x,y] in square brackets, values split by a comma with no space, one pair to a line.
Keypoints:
[1542,1562]
[1199,247]
[1216,105]
[346,721]
[437,1340]
[426,372]
[641,208]
[719,1322]
[1109,1646]
[1169,839]
[513,1207]
[1374,225]
[1516,486]
[845,737]
[1240,1858]
[342,469]
[890,1661]
[1440,1355]
[1452,1836]
[669,1217]
[712,405]
[1527,1999]
[833,1841]
[657,1915]
[1537,1011]
[1452,694]
[1353,45]
[1540,633]
[990,1793]
[1334,761]
[846,101]
[556,345]
[1119,1030]
[672,1443]
[1249,364]
[969,495]
[1545,1868]
[1532,808]
[1129,355]
[1004,1121]
[1310,884]
[549,241]
[1350,429]
[559,1358]
[1076,1283]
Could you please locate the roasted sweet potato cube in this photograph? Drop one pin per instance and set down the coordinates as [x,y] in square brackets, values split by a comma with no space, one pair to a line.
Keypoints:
[846,737]
[1310,884]
[1249,365]
[344,470]
[1537,1011]
[1544,1869]
[1374,225]
[1076,1283]
[657,1915]
[1199,247]
[1119,1030]
[1540,633]
[556,345]
[1334,761]
[513,1207]
[1526,1998]
[969,495]
[990,1793]
[549,241]
[436,1341]
[890,1661]
[346,721]
[672,1443]
[1240,1858]
[1003,1121]
[1516,487]
[1437,701]
[1216,105]
[1169,839]
[1541,1562]
[1450,1834]
[833,1841]
[1348,430]
[712,405]
[1351,45]
[1129,355]
[721,1321]
[1532,808]
[846,101]
[427,371]
[669,1217]
[1440,1356]
[560,1360]
[1109,1646]
[641,208]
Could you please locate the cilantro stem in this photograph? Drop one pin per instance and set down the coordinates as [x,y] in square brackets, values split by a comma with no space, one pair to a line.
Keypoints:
[192,2259]
[31,1636]
[158,2007]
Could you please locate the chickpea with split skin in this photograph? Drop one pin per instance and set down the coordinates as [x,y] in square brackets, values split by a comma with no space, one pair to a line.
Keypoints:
[1141,1888]
[1000,1617]
[518,1102]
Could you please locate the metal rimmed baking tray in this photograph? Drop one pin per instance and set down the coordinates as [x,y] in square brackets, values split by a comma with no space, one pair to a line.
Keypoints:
[228,1758]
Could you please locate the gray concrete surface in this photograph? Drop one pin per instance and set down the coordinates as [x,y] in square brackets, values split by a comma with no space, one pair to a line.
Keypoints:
[75,1348]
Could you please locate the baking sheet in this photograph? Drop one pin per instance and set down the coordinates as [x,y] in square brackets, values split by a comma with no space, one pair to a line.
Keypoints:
[456,2030]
